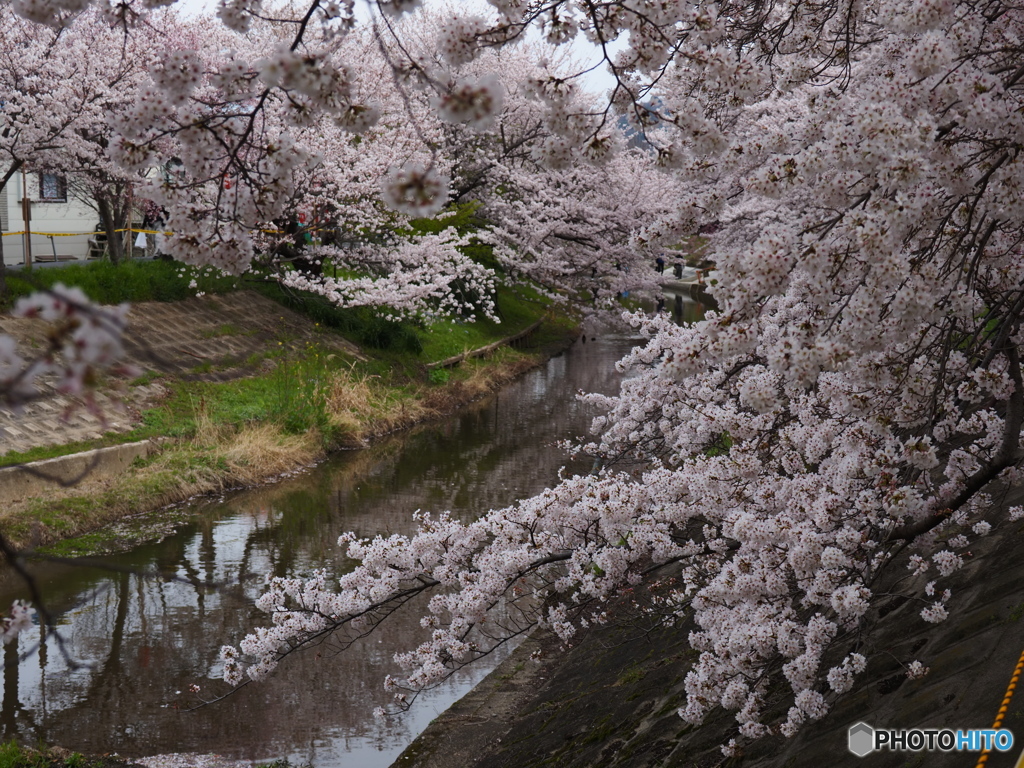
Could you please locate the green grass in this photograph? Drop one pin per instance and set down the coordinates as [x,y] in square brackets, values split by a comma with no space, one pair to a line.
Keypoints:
[135,281]
[160,280]
[361,325]
[292,394]
[517,308]
[14,756]
[110,283]
[399,347]
[440,376]
[53,451]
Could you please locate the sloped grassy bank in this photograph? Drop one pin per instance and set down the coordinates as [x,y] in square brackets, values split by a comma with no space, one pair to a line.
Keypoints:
[14,756]
[299,403]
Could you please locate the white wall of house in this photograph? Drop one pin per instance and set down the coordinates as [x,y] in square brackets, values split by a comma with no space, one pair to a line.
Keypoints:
[59,226]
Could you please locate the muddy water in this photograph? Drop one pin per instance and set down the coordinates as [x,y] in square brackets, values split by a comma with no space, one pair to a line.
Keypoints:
[130,646]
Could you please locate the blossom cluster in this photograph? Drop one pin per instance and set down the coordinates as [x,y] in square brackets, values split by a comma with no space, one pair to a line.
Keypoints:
[861,370]
[854,175]
[85,339]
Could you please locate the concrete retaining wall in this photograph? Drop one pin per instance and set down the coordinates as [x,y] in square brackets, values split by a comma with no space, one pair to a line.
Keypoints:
[40,477]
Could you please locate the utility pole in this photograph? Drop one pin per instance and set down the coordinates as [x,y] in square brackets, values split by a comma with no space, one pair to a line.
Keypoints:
[26,214]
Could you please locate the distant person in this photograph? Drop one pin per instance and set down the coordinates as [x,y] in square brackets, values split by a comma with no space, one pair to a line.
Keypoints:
[146,239]
[160,238]
[660,264]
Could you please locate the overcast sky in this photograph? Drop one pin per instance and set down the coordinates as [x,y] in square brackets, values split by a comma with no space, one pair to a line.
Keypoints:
[598,81]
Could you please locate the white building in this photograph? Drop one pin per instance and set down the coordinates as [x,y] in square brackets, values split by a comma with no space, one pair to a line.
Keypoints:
[60,225]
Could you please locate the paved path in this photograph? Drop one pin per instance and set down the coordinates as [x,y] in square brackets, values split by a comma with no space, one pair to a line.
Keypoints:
[215,338]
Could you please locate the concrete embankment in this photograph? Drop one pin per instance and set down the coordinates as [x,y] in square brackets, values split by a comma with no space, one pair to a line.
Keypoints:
[37,478]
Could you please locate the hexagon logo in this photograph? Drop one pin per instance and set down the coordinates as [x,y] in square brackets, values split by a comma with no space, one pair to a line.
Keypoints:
[861,739]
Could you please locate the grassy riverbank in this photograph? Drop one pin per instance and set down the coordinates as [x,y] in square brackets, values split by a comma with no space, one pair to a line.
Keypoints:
[215,454]
[298,400]
[14,756]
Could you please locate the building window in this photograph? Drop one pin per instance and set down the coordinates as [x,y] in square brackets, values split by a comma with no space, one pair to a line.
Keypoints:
[53,186]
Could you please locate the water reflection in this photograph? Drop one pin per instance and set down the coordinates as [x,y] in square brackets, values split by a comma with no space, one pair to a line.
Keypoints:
[685,309]
[146,640]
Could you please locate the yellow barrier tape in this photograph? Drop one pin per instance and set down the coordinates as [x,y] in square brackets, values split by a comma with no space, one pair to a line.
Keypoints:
[51,234]
[137,231]
[93,231]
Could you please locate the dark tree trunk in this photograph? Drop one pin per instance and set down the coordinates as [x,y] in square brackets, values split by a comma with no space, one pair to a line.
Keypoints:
[109,222]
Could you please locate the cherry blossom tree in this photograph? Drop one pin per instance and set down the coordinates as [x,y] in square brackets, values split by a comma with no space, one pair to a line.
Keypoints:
[341,205]
[91,174]
[836,433]
[576,228]
[57,94]
[563,221]
[352,195]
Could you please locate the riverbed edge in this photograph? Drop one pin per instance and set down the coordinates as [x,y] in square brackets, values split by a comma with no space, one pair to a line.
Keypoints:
[137,491]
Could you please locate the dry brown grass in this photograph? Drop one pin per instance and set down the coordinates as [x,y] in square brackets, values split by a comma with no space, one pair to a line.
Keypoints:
[483,378]
[261,451]
[351,403]
[216,459]
[362,408]
[253,453]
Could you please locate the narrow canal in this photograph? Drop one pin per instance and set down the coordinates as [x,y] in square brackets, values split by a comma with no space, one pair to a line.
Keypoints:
[135,645]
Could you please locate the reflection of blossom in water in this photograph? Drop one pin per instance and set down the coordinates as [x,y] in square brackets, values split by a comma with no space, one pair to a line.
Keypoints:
[19,620]
[148,638]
